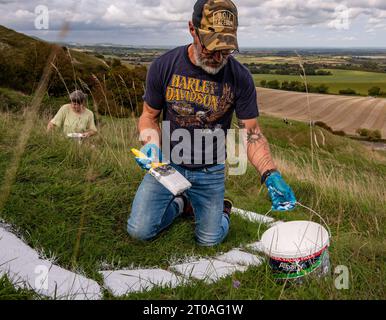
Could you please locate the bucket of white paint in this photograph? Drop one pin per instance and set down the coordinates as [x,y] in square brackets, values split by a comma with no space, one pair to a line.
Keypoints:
[296,249]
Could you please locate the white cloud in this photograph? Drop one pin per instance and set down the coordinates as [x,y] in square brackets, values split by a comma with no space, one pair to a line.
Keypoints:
[171,16]
[349,38]
[23,14]
[113,14]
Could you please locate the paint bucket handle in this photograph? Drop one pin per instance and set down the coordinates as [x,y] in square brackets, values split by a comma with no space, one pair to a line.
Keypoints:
[318,215]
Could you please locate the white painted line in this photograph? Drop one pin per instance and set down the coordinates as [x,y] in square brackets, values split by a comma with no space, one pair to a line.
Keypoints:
[236,256]
[252,216]
[121,282]
[256,246]
[208,270]
[25,269]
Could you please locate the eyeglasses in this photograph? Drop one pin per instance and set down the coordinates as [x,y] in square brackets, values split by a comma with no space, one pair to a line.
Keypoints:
[213,52]
[77,103]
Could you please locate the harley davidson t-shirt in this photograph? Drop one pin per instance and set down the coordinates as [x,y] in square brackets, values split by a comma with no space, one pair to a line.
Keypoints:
[198,106]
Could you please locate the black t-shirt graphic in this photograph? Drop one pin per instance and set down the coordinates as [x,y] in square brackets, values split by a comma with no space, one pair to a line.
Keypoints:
[200,103]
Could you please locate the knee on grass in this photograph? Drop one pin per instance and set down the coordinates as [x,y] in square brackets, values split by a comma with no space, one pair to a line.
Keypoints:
[140,233]
[209,240]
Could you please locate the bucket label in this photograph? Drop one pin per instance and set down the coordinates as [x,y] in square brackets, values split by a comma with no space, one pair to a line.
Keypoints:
[295,269]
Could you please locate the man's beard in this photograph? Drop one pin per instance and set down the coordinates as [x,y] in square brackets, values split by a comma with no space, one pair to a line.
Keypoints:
[202,62]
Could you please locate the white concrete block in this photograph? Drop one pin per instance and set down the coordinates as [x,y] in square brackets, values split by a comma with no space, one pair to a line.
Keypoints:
[121,282]
[25,269]
[209,270]
[256,246]
[236,256]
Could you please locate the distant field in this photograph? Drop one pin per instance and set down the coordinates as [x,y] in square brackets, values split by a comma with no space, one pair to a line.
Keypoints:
[360,81]
[339,112]
[244,58]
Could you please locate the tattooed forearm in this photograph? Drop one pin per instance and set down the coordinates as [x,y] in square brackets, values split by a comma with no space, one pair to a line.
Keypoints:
[257,148]
[253,136]
[259,155]
[240,124]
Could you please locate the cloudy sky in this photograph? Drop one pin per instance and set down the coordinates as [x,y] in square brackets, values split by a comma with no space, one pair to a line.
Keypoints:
[263,23]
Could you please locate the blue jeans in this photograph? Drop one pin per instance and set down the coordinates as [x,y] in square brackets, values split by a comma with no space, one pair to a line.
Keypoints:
[154,208]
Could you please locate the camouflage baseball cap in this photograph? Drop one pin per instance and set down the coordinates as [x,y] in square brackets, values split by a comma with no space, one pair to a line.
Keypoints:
[216,22]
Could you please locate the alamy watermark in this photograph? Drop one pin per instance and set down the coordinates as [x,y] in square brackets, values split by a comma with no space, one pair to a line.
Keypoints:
[202,146]
[42,19]
[41,279]
[341,19]
[342,281]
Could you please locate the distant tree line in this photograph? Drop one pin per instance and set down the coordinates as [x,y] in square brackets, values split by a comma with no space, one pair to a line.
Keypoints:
[294,86]
[285,69]
[322,88]
[373,92]
[359,65]
[328,128]
[348,92]
[368,134]
[371,135]
[315,69]
[376,92]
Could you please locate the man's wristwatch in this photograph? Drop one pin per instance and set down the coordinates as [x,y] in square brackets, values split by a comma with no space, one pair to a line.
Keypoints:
[266,174]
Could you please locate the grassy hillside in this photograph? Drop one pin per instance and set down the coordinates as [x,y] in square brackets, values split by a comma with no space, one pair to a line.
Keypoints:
[12,100]
[74,202]
[23,60]
[15,101]
[19,46]
[360,81]
[114,88]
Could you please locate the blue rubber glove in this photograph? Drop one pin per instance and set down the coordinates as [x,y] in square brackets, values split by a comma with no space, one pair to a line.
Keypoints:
[152,153]
[282,196]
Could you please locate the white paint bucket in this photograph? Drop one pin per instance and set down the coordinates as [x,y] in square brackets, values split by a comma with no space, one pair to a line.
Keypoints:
[297,248]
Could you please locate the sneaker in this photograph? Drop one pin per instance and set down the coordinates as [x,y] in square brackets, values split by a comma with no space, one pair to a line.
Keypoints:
[188,209]
[227,208]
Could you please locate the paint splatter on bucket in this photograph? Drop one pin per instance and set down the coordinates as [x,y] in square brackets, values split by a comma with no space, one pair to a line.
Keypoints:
[296,249]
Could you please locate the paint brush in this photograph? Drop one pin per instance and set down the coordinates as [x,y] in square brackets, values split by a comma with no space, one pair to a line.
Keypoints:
[165,174]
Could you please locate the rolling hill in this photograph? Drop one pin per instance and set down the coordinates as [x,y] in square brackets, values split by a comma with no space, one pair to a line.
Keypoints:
[16,45]
[23,59]
[115,89]
[339,112]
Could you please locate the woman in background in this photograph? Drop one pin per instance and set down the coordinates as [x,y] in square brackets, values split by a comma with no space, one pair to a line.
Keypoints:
[75,117]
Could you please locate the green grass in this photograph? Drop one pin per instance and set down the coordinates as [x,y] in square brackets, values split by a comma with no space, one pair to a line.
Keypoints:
[9,292]
[63,191]
[89,63]
[360,81]
[12,100]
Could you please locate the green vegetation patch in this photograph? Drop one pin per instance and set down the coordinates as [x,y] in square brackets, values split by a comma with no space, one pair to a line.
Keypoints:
[360,81]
